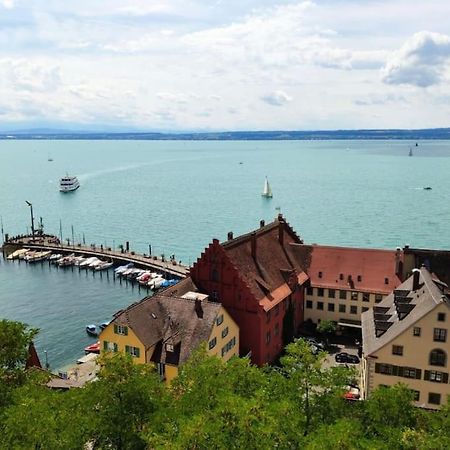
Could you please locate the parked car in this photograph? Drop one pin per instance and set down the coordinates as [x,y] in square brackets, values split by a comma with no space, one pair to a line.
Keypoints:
[347,358]
[352,393]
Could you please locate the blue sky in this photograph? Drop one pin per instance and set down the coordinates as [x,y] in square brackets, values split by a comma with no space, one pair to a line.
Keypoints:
[224,64]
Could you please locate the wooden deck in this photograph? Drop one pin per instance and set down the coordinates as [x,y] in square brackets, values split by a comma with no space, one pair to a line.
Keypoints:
[152,263]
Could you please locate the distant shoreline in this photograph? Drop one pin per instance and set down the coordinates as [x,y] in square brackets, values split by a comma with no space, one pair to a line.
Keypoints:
[415,135]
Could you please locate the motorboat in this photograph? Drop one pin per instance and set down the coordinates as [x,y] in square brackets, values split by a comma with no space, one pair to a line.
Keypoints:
[427,188]
[95,263]
[67,261]
[17,253]
[93,348]
[39,256]
[104,265]
[78,260]
[29,255]
[55,257]
[68,184]
[85,264]
[103,325]
[92,330]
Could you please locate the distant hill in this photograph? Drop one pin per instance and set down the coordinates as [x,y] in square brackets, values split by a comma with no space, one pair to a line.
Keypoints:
[432,133]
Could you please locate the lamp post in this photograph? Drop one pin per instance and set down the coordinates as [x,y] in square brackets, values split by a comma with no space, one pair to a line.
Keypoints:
[32,218]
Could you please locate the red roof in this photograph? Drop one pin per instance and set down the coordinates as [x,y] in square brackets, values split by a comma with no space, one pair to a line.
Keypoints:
[370,270]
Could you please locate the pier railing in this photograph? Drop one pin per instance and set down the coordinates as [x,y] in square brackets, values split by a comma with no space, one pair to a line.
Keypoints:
[154,263]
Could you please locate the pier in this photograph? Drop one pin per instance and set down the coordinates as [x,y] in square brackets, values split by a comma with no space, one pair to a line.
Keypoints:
[122,256]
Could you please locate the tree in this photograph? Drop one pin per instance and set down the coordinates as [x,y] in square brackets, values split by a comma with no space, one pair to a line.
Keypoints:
[326,327]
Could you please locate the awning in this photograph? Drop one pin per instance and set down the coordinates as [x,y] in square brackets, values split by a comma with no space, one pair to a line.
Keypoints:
[350,323]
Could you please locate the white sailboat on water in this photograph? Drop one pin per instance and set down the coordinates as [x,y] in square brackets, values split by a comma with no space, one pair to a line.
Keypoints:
[267,191]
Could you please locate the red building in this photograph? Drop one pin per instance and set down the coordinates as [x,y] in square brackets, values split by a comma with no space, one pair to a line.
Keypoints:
[259,280]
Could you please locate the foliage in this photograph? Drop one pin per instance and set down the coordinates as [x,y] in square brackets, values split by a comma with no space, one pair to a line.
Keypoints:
[326,327]
[213,405]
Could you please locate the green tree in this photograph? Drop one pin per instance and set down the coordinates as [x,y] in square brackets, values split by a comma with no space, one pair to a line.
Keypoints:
[326,328]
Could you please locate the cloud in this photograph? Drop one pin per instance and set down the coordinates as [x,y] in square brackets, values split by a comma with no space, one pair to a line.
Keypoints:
[7,4]
[422,61]
[380,100]
[277,98]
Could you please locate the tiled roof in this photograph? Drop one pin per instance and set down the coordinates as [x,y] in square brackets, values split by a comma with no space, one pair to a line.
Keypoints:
[371,270]
[163,319]
[265,261]
[400,310]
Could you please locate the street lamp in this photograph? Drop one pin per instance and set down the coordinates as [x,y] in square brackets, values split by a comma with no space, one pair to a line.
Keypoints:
[32,218]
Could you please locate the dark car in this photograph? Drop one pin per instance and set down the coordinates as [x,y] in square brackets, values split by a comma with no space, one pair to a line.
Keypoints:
[346,358]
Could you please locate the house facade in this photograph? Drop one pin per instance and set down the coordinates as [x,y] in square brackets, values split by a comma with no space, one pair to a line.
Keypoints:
[345,282]
[259,281]
[165,329]
[406,339]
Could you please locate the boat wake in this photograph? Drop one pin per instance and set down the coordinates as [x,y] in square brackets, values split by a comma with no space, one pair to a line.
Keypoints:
[97,173]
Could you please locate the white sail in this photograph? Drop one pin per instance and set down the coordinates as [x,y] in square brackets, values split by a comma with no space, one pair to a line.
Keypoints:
[267,191]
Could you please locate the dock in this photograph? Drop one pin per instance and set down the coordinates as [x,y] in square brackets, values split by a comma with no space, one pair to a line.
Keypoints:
[118,257]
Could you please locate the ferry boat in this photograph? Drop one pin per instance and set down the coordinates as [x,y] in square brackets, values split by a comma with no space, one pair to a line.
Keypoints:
[68,184]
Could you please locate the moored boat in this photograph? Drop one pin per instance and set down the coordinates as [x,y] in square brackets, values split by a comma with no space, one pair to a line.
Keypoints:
[104,265]
[92,330]
[18,253]
[93,348]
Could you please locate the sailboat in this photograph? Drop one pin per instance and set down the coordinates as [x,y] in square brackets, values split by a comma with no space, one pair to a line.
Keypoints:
[410,152]
[267,191]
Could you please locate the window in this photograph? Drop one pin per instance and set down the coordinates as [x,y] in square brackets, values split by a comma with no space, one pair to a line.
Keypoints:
[364,309]
[169,348]
[320,292]
[359,278]
[212,343]
[434,399]
[386,281]
[434,375]
[331,307]
[440,335]
[416,331]
[354,296]
[309,291]
[438,358]
[378,298]
[353,310]
[343,295]
[386,369]
[224,332]
[121,329]
[416,395]
[320,305]
[409,372]
[268,337]
[110,346]
[219,320]
[331,293]
[133,351]
[320,274]
[366,297]
[441,317]
[277,309]
[309,304]
[342,308]
[277,329]
[397,350]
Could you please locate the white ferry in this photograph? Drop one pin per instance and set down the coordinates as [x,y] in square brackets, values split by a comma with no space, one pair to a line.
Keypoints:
[67,184]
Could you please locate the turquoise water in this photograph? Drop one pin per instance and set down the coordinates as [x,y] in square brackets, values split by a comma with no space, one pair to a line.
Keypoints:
[178,195]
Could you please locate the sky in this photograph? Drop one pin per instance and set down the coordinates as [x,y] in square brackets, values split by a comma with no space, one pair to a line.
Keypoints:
[199,65]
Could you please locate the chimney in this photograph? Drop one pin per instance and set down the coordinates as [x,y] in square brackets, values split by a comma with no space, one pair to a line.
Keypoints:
[253,242]
[230,235]
[398,262]
[198,308]
[280,229]
[261,223]
[416,277]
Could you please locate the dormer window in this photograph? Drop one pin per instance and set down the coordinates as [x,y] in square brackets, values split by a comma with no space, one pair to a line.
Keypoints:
[169,348]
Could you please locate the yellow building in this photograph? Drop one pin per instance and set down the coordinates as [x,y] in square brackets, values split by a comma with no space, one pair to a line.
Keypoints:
[406,339]
[166,328]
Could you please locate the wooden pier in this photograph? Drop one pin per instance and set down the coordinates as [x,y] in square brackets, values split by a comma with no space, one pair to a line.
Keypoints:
[46,242]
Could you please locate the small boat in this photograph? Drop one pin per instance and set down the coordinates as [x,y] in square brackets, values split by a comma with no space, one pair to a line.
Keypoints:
[78,260]
[85,264]
[95,263]
[40,256]
[427,188]
[267,191]
[103,266]
[410,152]
[103,325]
[18,253]
[93,348]
[68,184]
[122,269]
[67,261]
[55,257]
[92,330]
[29,255]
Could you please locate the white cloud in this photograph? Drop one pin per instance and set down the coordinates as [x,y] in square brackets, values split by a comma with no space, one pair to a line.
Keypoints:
[8,4]
[277,98]
[422,61]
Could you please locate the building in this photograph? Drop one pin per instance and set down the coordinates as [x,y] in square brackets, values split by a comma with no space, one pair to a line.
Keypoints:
[406,339]
[166,328]
[259,281]
[345,282]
